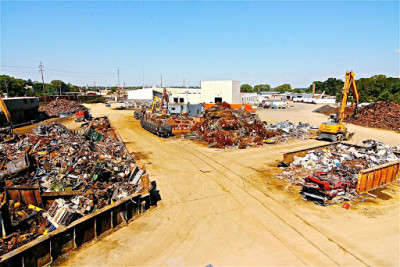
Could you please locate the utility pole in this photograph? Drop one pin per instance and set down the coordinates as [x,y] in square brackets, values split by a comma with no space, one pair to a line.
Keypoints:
[6,85]
[60,87]
[94,86]
[142,73]
[124,91]
[118,77]
[119,88]
[44,89]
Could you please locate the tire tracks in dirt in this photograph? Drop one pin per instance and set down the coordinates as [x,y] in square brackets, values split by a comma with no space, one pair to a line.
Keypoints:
[330,249]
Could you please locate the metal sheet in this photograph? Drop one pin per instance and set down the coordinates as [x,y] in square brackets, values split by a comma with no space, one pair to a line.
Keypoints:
[379,176]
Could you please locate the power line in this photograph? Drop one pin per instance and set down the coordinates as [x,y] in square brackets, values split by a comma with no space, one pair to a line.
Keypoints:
[17,66]
[80,72]
[58,70]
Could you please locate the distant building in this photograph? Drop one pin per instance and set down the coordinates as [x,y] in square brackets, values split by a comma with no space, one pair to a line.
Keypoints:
[175,95]
[221,91]
[145,94]
[191,109]
[210,92]
[105,91]
[249,98]
[181,95]
[92,93]
[22,109]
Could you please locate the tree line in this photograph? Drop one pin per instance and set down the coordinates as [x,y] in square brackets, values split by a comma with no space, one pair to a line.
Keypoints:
[375,88]
[19,87]
[247,88]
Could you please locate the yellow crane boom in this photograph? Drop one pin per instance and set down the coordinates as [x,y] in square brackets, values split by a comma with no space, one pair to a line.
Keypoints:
[348,82]
[336,130]
[5,110]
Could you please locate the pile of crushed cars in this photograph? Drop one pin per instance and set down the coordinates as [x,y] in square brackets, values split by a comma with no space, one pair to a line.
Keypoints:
[61,107]
[224,127]
[55,176]
[381,114]
[330,175]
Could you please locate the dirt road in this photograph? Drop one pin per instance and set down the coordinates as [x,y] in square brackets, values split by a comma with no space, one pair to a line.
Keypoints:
[222,207]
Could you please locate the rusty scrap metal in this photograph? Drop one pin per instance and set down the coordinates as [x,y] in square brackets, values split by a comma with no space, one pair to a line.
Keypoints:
[62,106]
[56,175]
[381,114]
[225,127]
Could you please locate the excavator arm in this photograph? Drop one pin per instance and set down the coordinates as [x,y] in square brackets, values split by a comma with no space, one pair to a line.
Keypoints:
[336,130]
[5,110]
[349,82]
[156,99]
[6,133]
[164,101]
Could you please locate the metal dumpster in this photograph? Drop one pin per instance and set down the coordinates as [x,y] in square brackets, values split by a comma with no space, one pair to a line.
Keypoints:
[368,179]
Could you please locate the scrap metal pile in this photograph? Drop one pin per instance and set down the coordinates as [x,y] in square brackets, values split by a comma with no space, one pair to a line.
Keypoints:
[330,175]
[62,106]
[381,114]
[56,175]
[328,109]
[225,127]
[284,131]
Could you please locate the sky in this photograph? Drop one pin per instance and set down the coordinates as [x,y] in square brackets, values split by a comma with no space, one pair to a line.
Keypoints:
[254,42]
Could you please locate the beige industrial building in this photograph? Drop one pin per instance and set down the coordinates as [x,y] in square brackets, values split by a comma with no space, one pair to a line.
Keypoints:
[210,92]
[221,91]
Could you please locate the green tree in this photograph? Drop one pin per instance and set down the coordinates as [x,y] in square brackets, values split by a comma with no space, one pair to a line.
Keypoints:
[246,88]
[384,95]
[262,87]
[283,88]
[319,87]
[58,85]
[297,90]
[333,86]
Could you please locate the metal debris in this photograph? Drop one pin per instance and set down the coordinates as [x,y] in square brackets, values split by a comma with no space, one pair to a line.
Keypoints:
[330,175]
[56,175]
[62,107]
[282,132]
[381,114]
[225,127]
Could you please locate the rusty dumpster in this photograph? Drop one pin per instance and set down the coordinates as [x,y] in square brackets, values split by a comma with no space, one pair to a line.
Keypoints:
[45,249]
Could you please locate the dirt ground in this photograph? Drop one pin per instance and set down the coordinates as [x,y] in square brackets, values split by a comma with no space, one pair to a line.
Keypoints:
[222,207]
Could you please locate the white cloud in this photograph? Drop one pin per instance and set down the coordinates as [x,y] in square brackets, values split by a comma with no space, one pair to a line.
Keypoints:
[397,51]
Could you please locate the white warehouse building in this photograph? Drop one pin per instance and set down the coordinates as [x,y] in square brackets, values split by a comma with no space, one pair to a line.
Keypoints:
[210,92]
[221,91]
[144,94]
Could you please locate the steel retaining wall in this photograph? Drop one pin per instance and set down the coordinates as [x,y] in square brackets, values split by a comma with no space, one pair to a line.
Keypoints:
[368,179]
[43,250]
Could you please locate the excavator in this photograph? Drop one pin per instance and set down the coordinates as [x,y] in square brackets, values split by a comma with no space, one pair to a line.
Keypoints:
[335,130]
[7,132]
[163,103]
